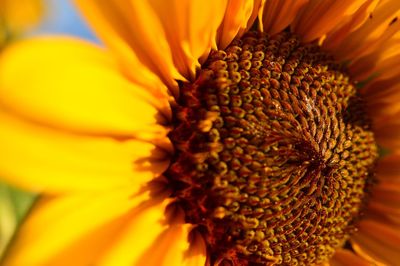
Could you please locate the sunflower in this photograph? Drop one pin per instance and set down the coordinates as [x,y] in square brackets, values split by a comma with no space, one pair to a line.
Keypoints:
[208,133]
[18,16]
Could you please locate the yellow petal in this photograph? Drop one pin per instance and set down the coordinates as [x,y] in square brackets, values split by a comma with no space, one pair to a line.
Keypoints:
[148,240]
[236,17]
[134,32]
[320,17]
[377,242]
[197,253]
[43,159]
[344,257]
[278,14]
[76,86]
[76,229]
[190,27]
[157,240]
[168,249]
[257,12]
[181,32]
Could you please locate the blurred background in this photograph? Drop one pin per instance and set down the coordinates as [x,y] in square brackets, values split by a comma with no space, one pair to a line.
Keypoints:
[27,19]
[61,17]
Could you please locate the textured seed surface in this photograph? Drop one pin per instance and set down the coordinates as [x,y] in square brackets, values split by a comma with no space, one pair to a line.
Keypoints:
[274,153]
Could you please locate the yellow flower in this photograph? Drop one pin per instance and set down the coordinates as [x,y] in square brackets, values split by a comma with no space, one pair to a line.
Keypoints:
[194,139]
[18,16]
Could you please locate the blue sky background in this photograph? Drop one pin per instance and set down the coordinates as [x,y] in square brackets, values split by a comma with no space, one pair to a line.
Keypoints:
[63,18]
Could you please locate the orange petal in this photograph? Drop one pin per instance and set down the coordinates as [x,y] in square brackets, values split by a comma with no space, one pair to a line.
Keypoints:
[43,159]
[372,34]
[384,104]
[320,17]
[384,217]
[236,17]
[381,64]
[387,128]
[77,229]
[386,198]
[389,166]
[381,88]
[76,86]
[377,242]
[382,98]
[344,257]
[278,14]
[20,16]
[349,24]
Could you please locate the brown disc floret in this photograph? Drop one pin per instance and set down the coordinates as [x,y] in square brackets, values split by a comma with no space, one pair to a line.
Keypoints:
[274,152]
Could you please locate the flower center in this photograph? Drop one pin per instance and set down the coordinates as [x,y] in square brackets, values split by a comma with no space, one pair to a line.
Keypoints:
[274,152]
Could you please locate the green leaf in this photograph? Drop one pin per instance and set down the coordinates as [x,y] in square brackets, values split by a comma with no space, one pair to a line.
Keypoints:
[14,205]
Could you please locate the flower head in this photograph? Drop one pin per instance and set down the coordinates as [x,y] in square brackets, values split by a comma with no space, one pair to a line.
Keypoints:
[217,133]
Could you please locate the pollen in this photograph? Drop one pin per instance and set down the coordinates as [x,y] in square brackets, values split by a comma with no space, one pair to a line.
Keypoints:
[274,153]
